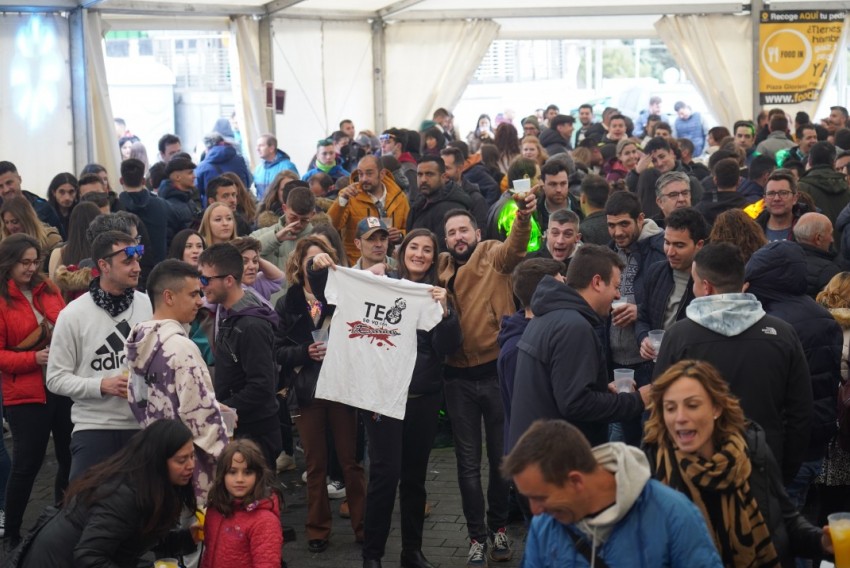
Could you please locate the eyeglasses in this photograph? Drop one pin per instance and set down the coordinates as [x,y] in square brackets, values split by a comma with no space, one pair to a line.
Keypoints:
[27,263]
[135,250]
[205,280]
[782,194]
[678,194]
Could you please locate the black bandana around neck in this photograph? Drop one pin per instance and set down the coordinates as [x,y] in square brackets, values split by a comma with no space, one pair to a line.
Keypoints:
[113,305]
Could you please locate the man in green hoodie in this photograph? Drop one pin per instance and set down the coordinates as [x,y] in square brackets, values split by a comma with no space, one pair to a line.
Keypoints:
[826,186]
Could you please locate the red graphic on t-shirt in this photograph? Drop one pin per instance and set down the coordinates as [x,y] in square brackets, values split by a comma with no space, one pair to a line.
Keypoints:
[373,334]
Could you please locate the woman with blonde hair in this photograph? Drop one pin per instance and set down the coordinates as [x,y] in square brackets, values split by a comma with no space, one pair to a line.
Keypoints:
[736,227]
[699,443]
[532,149]
[834,480]
[18,216]
[218,224]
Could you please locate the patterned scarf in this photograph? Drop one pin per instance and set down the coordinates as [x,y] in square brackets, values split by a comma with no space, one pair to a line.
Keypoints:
[720,488]
[113,305]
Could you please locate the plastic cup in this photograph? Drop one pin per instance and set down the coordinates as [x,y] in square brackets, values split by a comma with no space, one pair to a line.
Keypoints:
[655,338]
[229,416]
[388,221]
[624,380]
[521,185]
[320,335]
[166,563]
[839,530]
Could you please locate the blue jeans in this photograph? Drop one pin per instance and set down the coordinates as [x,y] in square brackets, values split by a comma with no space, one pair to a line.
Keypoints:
[468,402]
[91,447]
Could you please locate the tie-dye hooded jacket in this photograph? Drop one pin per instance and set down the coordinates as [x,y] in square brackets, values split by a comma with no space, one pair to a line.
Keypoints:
[169,379]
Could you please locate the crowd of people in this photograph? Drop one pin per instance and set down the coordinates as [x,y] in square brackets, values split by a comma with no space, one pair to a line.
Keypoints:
[172,337]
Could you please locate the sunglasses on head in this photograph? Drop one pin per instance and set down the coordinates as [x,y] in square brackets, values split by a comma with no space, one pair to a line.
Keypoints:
[205,280]
[385,137]
[135,250]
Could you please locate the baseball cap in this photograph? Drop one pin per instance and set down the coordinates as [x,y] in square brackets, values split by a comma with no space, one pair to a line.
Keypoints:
[179,165]
[368,226]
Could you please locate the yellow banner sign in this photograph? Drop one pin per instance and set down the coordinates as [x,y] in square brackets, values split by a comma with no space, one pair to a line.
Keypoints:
[796,50]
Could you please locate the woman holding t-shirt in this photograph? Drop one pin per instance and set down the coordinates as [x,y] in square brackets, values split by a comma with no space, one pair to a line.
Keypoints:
[399,449]
[302,311]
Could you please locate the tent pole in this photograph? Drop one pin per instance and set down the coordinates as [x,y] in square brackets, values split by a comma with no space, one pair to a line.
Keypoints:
[266,57]
[756,7]
[378,66]
[79,90]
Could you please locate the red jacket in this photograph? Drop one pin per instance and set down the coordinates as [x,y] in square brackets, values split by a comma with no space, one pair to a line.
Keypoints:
[22,378]
[250,538]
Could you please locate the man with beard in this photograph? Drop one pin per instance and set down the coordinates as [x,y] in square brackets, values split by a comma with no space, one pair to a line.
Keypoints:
[436,198]
[376,194]
[478,277]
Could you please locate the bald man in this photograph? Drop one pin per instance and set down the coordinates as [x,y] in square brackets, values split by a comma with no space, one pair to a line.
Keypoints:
[376,194]
[814,233]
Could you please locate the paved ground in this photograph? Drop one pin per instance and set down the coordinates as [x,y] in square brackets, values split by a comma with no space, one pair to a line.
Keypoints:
[445,543]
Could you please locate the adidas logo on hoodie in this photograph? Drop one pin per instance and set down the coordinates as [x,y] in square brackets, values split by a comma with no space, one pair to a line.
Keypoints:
[110,356]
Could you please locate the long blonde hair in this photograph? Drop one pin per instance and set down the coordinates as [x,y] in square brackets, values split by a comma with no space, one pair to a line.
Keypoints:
[206,230]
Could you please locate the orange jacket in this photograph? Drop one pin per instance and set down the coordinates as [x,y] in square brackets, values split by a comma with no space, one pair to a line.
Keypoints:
[345,219]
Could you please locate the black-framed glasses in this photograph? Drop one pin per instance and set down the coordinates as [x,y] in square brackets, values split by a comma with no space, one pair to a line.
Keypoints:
[135,250]
[782,194]
[205,280]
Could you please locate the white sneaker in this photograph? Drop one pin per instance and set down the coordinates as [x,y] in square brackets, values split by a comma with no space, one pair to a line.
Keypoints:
[2,523]
[336,490]
[304,476]
[284,462]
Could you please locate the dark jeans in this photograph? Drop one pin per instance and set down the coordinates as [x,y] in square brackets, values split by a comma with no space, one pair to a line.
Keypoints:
[266,434]
[31,426]
[91,447]
[5,462]
[399,451]
[468,402]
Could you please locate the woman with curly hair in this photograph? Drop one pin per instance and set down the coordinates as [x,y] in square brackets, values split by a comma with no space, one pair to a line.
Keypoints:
[736,227]
[834,480]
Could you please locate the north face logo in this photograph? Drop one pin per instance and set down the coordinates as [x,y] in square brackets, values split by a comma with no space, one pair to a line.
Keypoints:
[768,331]
[110,355]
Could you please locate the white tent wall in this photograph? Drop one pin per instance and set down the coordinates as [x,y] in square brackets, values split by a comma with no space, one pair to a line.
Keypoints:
[326,70]
[35,118]
[715,43]
[429,64]
[249,90]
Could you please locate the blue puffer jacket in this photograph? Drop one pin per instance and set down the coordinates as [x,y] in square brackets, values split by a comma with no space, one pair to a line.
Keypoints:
[777,277]
[265,172]
[692,129]
[220,160]
[663,529]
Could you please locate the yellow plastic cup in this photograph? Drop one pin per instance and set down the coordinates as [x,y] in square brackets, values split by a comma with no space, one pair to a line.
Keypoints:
[201,515]
[166,563]
[839,530]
